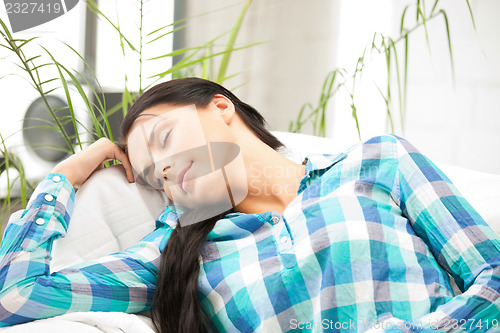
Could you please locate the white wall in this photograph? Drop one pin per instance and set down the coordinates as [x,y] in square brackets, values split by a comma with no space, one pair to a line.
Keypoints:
[304,41]
[285,72]
[358,21]
[459,125]
[451,123]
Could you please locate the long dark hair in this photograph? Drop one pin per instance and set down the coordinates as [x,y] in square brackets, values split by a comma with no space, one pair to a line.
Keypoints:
[175,306]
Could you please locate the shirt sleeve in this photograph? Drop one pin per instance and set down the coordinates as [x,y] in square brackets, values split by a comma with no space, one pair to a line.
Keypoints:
[461,241]
[123,281]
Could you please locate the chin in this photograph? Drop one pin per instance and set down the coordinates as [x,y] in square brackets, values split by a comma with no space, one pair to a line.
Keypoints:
[206,191]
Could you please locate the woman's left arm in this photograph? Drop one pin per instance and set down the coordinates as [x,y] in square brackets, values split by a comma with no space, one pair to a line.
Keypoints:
[461,241]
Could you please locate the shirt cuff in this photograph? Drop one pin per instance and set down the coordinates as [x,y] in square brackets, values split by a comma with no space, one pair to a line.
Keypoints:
[54,196]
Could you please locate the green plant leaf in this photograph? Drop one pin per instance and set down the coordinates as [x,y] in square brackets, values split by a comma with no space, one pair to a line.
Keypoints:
[177,52]
[165,34]
[26,41]
[198,61]
[48,81]
[68,97]
[450,48]
[388,108]
[424,23]
[471,15]
[434,7]
[230,43]
[33,58]
[192,17]
[405,89]
[93,7]
[354,113]
[403,19]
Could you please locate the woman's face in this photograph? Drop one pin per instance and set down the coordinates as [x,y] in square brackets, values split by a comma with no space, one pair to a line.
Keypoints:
[189,153]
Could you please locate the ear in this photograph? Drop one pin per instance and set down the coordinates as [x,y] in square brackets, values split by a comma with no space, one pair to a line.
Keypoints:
[225,107]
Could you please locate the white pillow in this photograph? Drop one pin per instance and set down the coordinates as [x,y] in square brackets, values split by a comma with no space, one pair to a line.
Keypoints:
[111,214]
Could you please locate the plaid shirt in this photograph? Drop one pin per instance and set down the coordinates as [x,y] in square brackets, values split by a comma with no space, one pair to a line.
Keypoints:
[366,245]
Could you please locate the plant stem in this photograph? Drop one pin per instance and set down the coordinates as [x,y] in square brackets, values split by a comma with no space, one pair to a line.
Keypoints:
[140,46]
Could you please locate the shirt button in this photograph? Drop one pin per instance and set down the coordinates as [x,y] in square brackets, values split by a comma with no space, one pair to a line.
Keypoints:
[56,179]
[49,197]
[275,219]
[40,221]
[283,239]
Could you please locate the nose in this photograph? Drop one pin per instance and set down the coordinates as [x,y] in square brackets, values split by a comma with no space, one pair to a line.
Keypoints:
[164,169]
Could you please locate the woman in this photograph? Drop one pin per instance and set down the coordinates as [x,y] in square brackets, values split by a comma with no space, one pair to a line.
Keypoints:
[338,243]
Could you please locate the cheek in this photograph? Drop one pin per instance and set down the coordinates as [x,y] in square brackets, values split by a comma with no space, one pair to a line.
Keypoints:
[215,130]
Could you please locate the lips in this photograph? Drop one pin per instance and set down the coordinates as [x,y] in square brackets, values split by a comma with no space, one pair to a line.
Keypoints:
[182,175]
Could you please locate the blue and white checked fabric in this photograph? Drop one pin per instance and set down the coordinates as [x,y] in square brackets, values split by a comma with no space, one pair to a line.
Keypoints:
[366,245]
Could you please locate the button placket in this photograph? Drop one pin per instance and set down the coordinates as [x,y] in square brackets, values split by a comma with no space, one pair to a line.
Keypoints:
[277,226]
[281,234]
[283,241]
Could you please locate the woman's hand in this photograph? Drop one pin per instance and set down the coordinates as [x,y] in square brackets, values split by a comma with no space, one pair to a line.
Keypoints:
[80,166]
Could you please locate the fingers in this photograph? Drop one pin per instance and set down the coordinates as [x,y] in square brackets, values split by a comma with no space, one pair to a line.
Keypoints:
[81,165]
[119,155]
[113,152]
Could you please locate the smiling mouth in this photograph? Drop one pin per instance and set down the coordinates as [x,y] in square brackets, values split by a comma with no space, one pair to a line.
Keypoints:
[181,177]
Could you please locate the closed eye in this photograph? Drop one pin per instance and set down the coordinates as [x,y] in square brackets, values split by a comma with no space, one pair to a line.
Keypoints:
[164,138]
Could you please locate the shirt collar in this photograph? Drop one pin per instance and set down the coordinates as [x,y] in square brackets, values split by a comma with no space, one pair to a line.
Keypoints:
[314,164]
[317,163]
[169,216]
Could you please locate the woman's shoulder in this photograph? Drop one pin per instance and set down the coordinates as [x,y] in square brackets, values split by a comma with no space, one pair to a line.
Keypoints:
[376,147]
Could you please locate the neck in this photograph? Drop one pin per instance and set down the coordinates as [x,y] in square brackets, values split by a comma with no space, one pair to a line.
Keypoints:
[273,180]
